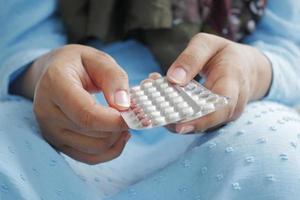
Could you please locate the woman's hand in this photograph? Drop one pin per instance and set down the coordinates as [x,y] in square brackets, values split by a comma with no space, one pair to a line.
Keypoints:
[237,71]
[69,117]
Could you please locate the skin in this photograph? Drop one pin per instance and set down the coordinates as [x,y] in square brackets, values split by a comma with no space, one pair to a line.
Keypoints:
[61,84]
[234,70]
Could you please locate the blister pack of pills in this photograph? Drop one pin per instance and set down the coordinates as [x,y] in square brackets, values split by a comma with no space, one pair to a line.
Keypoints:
[157,103]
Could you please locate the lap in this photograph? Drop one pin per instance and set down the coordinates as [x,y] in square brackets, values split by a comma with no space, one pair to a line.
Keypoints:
[258,143]
[29,167]
[254,157]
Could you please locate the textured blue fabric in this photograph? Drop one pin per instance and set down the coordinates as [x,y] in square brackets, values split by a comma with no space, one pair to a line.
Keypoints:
[254,157]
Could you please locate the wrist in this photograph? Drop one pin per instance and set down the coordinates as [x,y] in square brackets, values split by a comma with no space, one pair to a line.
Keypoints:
[262,76]
[25,84]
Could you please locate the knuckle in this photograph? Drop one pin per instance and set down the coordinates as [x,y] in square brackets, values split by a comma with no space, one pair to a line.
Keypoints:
[105,57]
[202,36]
[117,72]
[85,118]
[71,47]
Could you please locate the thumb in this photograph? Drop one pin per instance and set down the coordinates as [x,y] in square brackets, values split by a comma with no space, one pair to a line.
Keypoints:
[194,57]
[109,77]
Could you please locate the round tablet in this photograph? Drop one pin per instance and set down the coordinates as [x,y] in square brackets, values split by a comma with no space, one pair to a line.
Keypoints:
[212,98]
[150,90]
[154,114]
[150,109]
[142,98]
[187,111]
[146,84]
[177,100]
[163,86]
[159,99]
[190,86]
[155,94]
[195,97]
[168,90]
[168,110]
[173,117]
[159,81]
[208,107]
[182,105]
[201,101]
[163,104]
[158,121]
[172,94]
[146,103]
[138,93]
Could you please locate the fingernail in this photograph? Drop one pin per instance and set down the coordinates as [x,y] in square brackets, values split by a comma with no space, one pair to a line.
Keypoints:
[122,98]
[127,137]
[187,129]
[178,75]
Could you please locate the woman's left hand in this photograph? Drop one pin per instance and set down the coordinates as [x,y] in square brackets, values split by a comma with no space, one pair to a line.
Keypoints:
[234,70]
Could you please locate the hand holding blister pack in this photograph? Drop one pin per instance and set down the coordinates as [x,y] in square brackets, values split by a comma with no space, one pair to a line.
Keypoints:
[158,102]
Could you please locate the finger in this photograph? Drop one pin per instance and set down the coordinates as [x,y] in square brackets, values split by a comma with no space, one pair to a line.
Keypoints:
[80,107]
[224,86]
[109,76]
[110,154]
[191,61]
[152,76]
[86,144]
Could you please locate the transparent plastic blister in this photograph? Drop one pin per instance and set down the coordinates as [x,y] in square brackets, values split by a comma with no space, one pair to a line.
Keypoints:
[157,103]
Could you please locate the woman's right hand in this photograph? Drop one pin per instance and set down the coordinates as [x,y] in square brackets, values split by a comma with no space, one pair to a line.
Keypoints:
[68,115]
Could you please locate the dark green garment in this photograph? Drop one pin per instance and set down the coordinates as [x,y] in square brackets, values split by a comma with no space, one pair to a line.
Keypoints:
[165,26]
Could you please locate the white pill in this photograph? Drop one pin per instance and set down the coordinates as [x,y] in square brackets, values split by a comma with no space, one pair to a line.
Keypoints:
[168,110]
[155,94]
[190,86]
[168,90]
[138,93]
[201,101]
[134,90]
[204,94]
[154,114]
[187,111]
[173,94]
[195,98]
[159,81]
[150,109]
[177,100]
[142,98]
[159,99]
[197,90]
[221,101]
[163,104]
[146,103]
[212,98]
[163,86]
[208,107]
[147,84]
[150,90]
[173,117]
[158,120]
[182,105]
